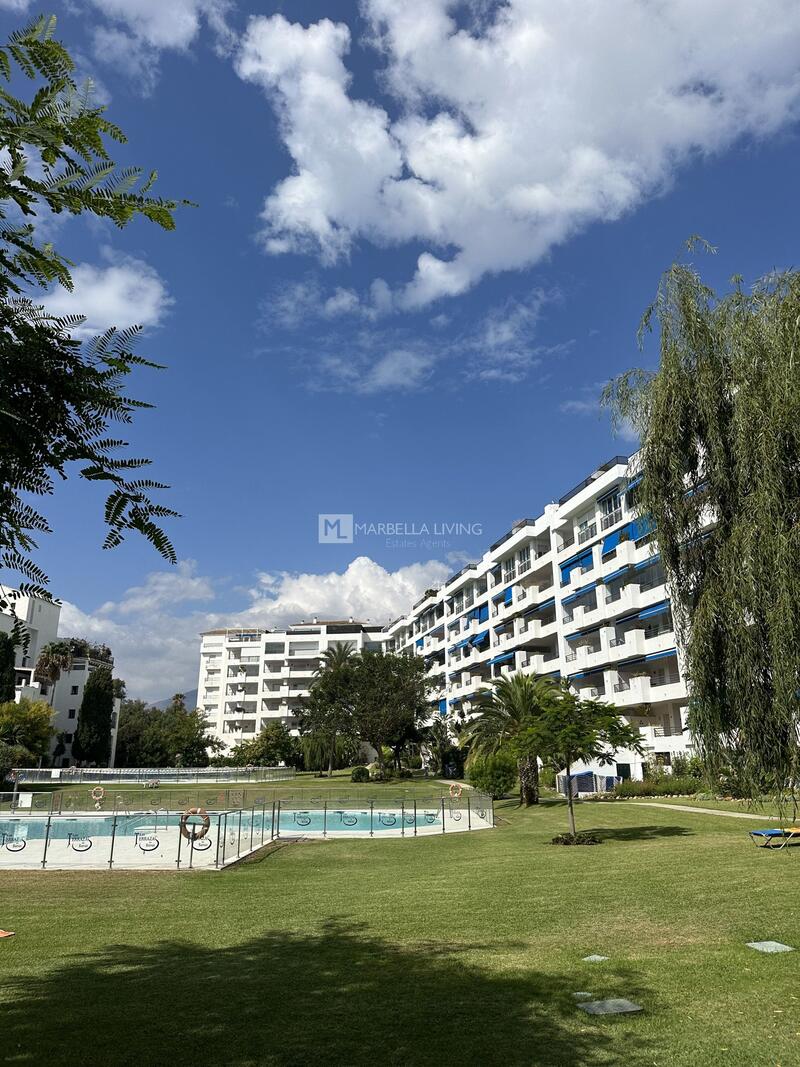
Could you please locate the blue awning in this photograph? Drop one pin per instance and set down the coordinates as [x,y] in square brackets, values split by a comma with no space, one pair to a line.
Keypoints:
[420,642]
[634,483]
[615,574]
[662,655]
[455,700]
[583,559]
[656,609]
[442,706]
[461,644]
[483,613]
[648,562]
[641,527]
[575,636]
[508,596]
[502,659]
[572,677]
[498,596]
[540,607]
[438,632]
[480,638]
[579,593]
[454,625]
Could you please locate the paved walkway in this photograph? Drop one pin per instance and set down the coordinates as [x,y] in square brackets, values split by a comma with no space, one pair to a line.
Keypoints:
[702,811]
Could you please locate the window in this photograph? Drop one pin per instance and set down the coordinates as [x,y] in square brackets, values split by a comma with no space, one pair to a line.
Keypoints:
[73,690]
[68,739]
[524,558]
[71,713]
[610,504]
[508,569]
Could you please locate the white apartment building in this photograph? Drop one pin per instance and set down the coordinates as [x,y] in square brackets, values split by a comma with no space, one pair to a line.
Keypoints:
[40,619]
[249,677]
[577,593]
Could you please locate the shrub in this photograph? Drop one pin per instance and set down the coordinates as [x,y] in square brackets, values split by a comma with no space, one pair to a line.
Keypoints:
[666,786]
[495,775]
[576,839]
[547,777]
[415,762]
[359,774]
[405,772]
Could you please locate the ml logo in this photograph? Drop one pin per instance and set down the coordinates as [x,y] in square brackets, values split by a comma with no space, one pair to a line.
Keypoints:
[335,529]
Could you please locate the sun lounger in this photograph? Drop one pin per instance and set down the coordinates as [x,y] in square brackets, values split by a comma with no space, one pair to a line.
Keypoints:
[775,838]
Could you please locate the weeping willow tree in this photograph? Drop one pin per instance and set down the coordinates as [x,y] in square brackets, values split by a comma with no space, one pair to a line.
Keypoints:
[719,424]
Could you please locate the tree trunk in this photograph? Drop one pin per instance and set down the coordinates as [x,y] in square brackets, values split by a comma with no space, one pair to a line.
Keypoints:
[528,781]
[330,759]
[570,804]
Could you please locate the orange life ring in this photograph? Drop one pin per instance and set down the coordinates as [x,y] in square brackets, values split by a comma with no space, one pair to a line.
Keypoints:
[193,834]
[455,790]
[98,793]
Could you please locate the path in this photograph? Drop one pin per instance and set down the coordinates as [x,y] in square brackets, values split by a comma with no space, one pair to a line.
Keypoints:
[702,811]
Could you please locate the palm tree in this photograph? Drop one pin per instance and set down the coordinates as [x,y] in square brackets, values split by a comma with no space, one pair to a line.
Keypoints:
[504,714]
[334,673]
[54,658]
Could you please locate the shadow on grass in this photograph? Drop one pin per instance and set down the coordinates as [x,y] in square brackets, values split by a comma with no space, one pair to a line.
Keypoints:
[339,995]
[638,833]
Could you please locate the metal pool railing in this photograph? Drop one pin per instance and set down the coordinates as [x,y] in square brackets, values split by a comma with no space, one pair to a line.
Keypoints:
[161,839]
[112,775]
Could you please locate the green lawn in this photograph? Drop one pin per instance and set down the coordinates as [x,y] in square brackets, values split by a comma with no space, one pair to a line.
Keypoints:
[462,949]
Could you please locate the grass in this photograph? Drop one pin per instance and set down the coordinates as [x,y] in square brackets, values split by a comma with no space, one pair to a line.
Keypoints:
[456,949]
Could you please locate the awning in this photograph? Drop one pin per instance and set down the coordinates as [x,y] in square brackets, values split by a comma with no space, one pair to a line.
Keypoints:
[632,484]
[443,707]
[648,562]
[540,607]
[583,559]
[502,659]
[466,641]
[579,593]
[656,609]
[641,527]
[662,655]
[483,613]
[499,596]
[454,625]
[480,638]
[420,642]
[615,574]
[508,596]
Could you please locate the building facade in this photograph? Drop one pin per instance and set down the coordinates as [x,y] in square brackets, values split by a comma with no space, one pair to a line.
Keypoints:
[249,677]
[577,593]
[40,619]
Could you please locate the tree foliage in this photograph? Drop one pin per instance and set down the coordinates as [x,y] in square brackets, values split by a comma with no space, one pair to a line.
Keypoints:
[58,396]
[505,716]
[92,743]
[388,697]
[27,725]
[719,423]
[152,737]
[8,658]
[326,718]
[273,745]
[495,774]
[570,730]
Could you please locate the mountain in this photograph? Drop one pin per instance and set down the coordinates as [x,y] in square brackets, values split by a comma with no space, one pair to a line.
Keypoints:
[190,696]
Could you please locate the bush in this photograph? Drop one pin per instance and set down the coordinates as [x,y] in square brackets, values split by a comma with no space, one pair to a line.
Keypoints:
[547,778]
[359,774]
[495,775]
[667,786]
[576,839]
[404,772]
[415,762]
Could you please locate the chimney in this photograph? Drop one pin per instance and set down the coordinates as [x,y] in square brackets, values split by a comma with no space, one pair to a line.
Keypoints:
[314,620]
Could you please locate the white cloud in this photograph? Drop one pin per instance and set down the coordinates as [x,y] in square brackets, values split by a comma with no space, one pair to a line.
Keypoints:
[509,137]
[18,6]
[587,402]
[156,649]
[136,31]
[127,291]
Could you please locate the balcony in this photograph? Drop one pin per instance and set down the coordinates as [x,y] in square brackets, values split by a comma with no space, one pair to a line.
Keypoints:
[611,520]
[587,534]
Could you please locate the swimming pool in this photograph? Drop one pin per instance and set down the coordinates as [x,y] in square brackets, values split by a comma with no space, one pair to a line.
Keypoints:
[214,838]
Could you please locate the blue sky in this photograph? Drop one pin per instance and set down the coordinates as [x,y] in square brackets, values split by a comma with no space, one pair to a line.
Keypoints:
[424,237]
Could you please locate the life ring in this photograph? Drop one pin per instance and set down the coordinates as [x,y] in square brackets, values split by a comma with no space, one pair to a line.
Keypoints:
[455,790]
[194,834]
[98,793]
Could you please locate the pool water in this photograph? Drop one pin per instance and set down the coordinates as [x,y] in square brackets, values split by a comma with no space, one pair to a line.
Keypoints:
[294,822]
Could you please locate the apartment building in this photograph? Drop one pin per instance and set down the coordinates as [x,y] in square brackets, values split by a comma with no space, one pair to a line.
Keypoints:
[40,619]
[249,677]
[577,593]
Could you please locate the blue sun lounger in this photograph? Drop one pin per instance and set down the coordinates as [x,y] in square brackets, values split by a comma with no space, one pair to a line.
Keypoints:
[775,838]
